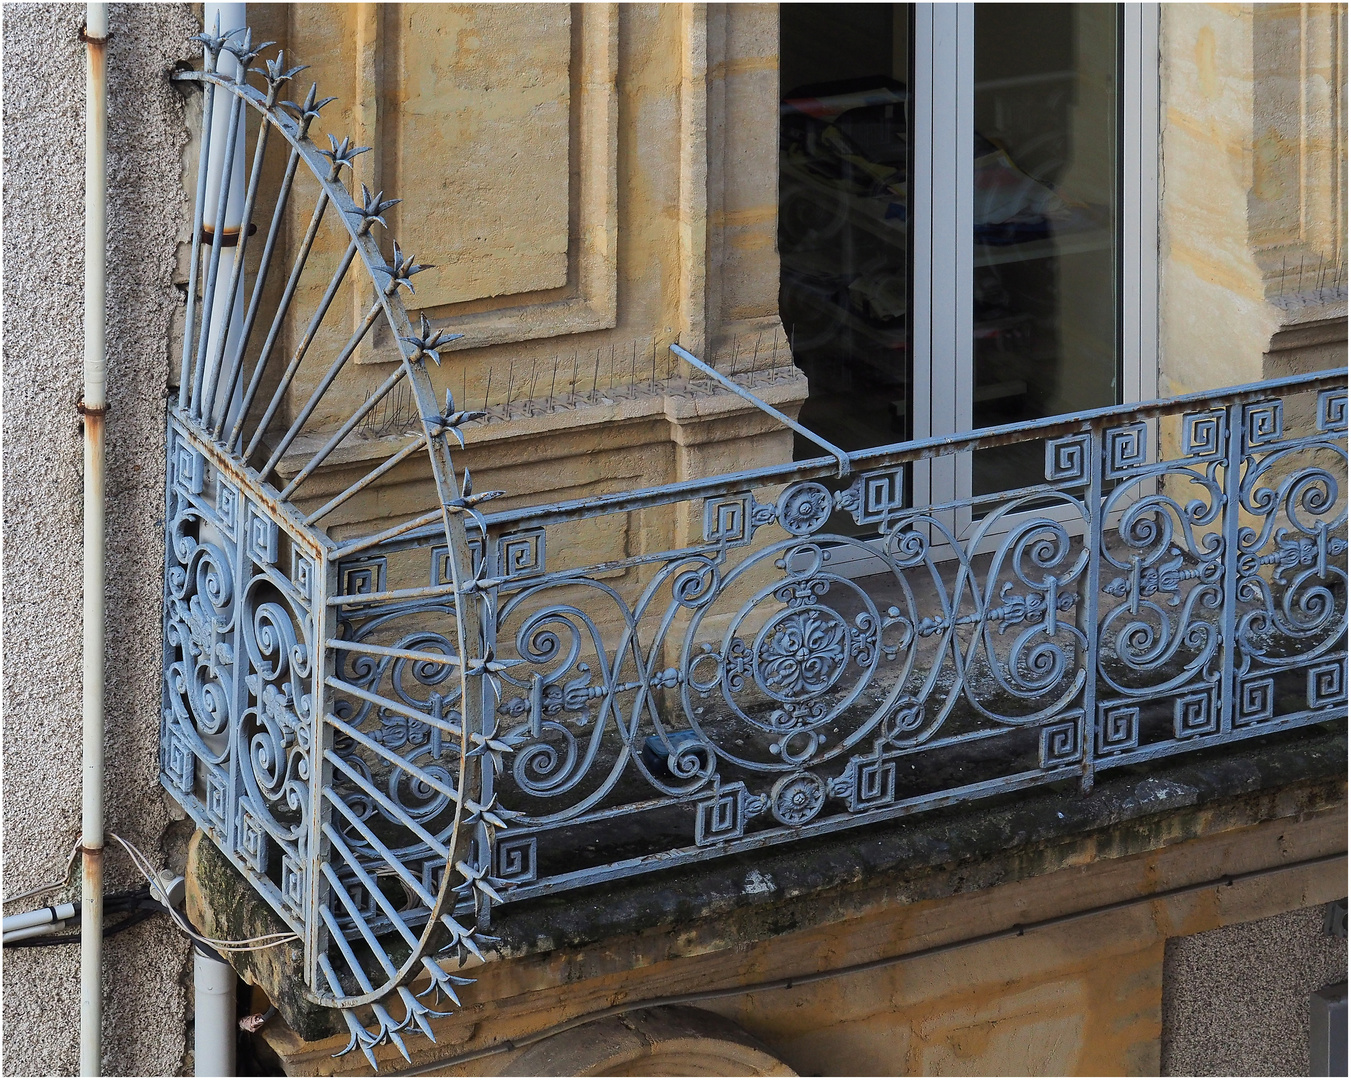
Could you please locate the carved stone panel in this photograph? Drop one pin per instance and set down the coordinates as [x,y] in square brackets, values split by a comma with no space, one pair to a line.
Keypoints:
[477,144]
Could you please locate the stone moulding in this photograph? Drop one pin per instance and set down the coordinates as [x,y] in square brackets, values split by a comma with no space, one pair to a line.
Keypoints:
[391,734]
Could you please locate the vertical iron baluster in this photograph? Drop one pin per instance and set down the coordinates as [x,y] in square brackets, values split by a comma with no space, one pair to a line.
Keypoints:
[337,437]
[198,221]
[307,410]
[1233,494]
[278,319]
[1097,540]
[259,282]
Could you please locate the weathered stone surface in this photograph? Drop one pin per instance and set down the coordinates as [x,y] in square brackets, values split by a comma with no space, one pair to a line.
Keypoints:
[670,1041]
[903,874]
[1252,203]
[223,905]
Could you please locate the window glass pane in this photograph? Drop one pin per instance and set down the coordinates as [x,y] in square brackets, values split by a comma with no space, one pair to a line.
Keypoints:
[1045,208]
[843,216]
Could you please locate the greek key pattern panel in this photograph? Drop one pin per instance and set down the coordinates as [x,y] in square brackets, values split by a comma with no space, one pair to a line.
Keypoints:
[238,722]
[783,677]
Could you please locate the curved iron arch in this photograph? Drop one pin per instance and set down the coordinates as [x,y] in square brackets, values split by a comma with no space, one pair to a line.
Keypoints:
[219,401]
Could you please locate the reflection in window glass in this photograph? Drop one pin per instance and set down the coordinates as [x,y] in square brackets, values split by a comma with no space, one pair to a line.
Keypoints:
[843,216]
[1046,176]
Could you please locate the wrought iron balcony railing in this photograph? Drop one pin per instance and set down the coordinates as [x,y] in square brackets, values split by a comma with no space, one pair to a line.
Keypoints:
[391,734]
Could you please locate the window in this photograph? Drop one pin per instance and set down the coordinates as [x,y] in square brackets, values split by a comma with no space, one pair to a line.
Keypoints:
[966,220]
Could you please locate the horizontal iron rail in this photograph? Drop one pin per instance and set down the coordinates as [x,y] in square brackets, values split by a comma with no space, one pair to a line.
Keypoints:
[915,450]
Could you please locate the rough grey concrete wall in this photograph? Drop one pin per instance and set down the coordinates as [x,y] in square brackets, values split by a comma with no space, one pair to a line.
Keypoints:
[147,968]
[1236,1000]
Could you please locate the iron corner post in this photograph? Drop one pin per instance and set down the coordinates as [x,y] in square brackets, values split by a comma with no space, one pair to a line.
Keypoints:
[321,768]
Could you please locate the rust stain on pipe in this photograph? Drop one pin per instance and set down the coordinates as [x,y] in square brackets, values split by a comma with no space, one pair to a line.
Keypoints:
[229,237]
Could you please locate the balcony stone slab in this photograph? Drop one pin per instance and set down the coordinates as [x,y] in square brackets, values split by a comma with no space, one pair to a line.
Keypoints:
[881,891]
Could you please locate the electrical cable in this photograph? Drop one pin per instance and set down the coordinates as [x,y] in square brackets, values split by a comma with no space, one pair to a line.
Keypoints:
[1016,930]
[147,868]
[70,865]
[138,905]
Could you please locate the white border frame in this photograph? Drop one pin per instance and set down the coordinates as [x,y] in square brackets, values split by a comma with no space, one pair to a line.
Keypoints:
[953,264]
[941,216]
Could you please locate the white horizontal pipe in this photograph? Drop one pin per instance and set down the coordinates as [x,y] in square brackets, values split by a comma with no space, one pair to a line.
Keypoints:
[33,931]
[38,917]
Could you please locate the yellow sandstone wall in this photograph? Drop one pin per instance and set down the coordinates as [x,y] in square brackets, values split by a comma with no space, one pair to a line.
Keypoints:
[1253,191]
[591,183]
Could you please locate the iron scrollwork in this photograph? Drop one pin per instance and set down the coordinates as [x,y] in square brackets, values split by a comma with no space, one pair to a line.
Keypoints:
[392,732]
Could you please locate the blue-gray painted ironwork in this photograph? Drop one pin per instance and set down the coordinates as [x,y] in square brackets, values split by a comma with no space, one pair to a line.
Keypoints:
[390,734]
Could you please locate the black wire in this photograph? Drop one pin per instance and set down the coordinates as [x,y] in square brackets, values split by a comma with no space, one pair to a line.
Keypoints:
[136,904]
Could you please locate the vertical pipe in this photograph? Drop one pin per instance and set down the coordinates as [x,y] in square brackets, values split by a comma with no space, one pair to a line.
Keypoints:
[231,16]
[213,978]
[213,983]
[94,406]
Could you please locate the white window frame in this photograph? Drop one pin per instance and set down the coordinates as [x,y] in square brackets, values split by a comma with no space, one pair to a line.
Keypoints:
[943,88]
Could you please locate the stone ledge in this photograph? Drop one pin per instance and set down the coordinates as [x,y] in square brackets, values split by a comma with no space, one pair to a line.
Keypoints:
[816,882]
[992,842]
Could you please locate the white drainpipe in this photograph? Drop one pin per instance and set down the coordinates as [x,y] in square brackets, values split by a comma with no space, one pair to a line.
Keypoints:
[94,407]
[232,17]
[213,984]
[214,979]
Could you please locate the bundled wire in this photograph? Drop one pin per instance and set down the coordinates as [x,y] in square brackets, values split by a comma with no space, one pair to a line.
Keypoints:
[136,905]
[147,868]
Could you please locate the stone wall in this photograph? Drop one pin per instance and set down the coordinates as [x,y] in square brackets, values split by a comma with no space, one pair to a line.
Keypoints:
[147,969]
[1253,192]
[589,183]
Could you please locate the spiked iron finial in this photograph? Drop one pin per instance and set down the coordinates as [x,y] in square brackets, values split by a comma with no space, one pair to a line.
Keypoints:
[246,52]
[276,72]
[400,269]
[451,420]
[427,344]
[342,153]
[213,42]
[373,208]
[308,112]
